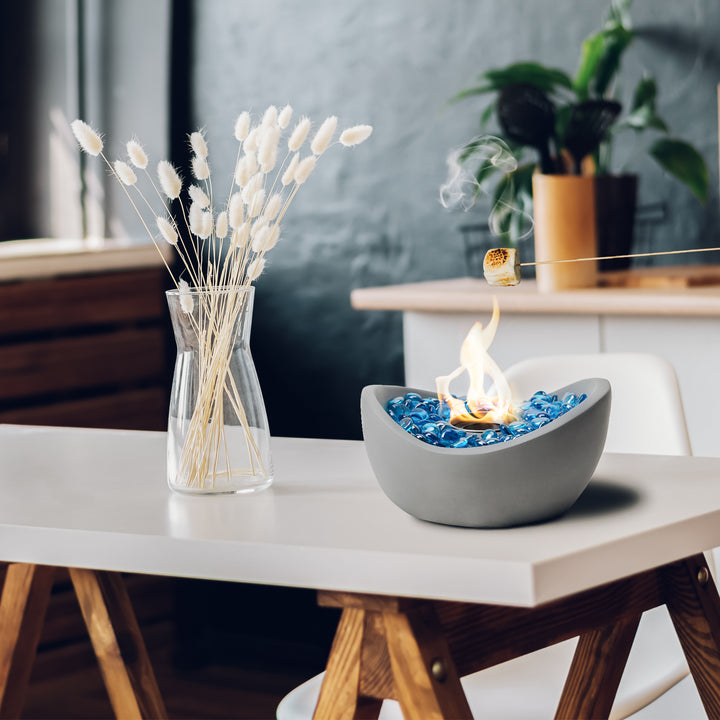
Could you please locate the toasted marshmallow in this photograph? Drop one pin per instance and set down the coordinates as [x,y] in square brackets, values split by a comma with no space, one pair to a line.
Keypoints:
[501,266]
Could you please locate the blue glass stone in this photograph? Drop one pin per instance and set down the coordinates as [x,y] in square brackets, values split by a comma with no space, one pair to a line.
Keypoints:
[398,400]
[450,435]
[490,437]
[519,428]
[540,395]
[407,424]
[538,422]
[429,427]
[570,400]
[432,437]
[582,397]
[474,440]
[419,414]
[461,443]
[504,430]
[395,412]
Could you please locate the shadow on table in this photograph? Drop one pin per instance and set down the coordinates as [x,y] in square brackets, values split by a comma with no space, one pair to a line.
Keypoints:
[602,497]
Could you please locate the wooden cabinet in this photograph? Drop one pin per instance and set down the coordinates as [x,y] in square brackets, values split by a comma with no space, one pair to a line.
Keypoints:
[88,350]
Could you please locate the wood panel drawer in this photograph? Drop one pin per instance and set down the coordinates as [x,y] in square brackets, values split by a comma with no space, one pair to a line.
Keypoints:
[71,363]
[75,302]
[144,409]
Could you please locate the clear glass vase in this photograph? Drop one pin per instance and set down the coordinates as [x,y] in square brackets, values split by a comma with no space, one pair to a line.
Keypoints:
[218,435]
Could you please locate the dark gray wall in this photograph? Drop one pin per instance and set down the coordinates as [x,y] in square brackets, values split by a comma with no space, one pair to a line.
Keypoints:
[371,216]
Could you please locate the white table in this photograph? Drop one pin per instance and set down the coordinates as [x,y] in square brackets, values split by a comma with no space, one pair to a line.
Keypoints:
[96,500]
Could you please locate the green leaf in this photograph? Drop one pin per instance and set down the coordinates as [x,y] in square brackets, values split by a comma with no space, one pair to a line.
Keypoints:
[548,79]
[619,14]
[617,41]
[486,115]
[645,93]
[683,162]
[592,50]
[644,118]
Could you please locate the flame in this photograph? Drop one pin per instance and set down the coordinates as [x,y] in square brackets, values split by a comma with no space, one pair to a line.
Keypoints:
[478,407]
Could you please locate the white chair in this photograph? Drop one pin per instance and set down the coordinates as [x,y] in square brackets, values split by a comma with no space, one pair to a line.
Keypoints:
[646,417]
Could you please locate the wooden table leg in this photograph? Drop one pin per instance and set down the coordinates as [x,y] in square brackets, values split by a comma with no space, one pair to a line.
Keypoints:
[596,669]
[25,596]
[118,644]
[694,606]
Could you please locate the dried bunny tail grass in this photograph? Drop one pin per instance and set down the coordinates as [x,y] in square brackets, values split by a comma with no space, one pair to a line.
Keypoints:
[289,174]
[186,299]
[297,138]
[167,230]
[284,117]
[197,195]
[207,225]
[240,236]
[269,117]
[256,203]
[267,151]
[250,142]
[355,135]
[221,225]
[255,268]
[304,168]
[200,168]
[274,204]
[138,157]
[169,179]
[198,144]
[324,135]
[195,219]
[260,237]
[125,172]
[89,140]
[252,186]
[236,211]
[247,166]
[242,126]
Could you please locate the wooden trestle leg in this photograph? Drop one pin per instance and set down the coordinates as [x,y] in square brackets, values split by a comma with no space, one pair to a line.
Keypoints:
[415,651]
[113,629]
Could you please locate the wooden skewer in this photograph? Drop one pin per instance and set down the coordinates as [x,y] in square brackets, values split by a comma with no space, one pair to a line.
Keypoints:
[615,257]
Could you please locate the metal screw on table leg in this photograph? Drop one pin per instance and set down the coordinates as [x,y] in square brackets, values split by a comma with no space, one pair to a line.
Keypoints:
[703,575]
[438,670]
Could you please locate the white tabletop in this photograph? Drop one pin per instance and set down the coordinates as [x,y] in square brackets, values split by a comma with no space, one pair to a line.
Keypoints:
[98,499]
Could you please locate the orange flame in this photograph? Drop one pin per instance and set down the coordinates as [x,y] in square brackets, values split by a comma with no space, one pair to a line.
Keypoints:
[478,407]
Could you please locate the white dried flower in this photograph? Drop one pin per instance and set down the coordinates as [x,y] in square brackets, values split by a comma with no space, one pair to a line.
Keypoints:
[197,195]
[297,138]
[255,205]
[125,172]
[186,299]
[167,230]
[89,140]
[285,116]
[137,155]
[355,135]
[198,144]
[200,168]
[195,218]
[304,168]
[267,151]
[274,204]
[242,126]
[250,142]
[240,236]
[269,117]
[252,186]
[266,238]
[259,236]
[169,179]
[206,225]
[221,225]
[255,268]
[323,136]
[246,167]
[236,211]
[289,174]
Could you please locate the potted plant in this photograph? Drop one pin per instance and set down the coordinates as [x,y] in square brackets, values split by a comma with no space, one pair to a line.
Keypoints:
[555,124]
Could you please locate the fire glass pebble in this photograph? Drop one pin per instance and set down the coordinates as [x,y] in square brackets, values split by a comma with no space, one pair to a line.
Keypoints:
[428,419]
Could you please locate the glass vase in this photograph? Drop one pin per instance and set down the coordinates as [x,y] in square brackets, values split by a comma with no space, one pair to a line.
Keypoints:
[218,435]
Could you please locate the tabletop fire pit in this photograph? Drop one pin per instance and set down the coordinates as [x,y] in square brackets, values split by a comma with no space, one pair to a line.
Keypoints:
[530,478]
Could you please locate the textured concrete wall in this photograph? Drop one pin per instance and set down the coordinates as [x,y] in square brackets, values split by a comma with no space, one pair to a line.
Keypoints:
[371,216]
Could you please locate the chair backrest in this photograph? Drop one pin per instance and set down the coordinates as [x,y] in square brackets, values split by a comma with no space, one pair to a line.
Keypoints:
[647,413]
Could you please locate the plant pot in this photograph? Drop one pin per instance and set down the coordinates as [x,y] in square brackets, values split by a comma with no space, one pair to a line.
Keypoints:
[565,228]
[615,201]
